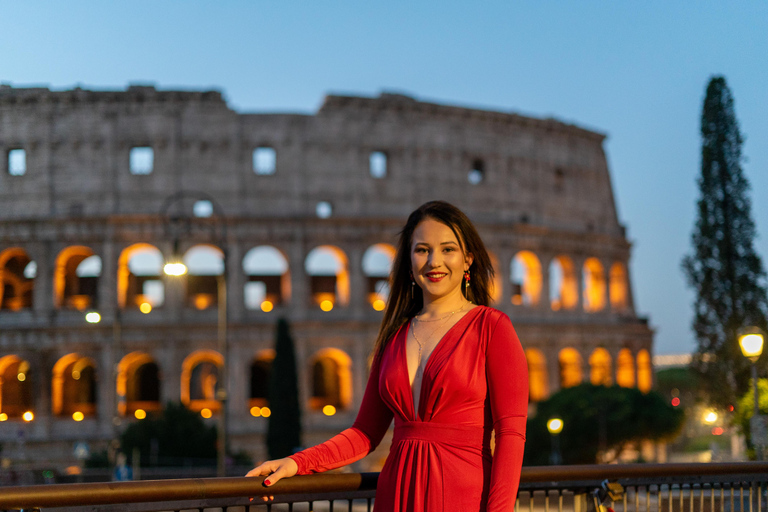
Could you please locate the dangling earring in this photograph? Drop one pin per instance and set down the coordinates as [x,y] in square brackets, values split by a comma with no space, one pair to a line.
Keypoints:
[466,284]
[413,288]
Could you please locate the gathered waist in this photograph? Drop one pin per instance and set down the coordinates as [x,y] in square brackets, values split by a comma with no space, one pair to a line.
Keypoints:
[464,436]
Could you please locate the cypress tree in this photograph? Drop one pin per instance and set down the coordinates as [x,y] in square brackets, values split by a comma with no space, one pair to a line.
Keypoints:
[284,429]
[723,269]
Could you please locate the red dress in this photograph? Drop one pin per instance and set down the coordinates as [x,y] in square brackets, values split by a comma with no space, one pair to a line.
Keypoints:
[475,380]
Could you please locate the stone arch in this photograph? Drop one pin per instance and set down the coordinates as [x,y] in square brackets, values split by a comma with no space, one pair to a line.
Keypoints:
[525,271]
[16,396]
[16,279]
[205,264]
[268,278]
[617,289]
[644,371]
[260,371]
[377,264]
[328,270]
[563,284]
[538,380]
[73,386]
[138,383]
[331,370]
[600,367]
[625,368]
[139,277]
[200,379]
[76,278]
[571,364]
[594,285]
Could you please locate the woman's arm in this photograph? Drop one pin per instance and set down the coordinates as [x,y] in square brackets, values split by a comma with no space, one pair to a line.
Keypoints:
[507,375]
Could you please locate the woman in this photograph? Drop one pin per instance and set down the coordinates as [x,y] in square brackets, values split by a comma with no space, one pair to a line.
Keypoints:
[449,369]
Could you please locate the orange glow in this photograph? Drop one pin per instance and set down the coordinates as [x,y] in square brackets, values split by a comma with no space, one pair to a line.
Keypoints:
[526,271]
[618,287]
[267,306]
[329,410]
[206,413]
[517,299]
[563,286]
[625,369]
[537,375]
[78,416]
[266,412]
[3,416]
[644,371]
[145,307]
[594,285]
[256,411]
[28,416]
[202,301]
[140,414]
[326,305]
[600,368]
[73,470]
[379,305]
[570,367]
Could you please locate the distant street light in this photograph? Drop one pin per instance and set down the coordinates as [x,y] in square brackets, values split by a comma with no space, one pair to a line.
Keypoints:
[555,426]
[751,341]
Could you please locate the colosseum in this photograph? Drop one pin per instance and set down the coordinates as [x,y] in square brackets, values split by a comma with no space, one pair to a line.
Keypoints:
[276,215]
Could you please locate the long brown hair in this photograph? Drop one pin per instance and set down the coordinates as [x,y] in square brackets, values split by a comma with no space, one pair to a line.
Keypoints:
[404,304]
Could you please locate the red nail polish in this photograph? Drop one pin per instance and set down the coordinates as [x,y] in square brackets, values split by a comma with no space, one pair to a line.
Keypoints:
[266,482]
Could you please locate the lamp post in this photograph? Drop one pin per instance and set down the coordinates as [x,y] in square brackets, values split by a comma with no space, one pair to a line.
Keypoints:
[751,342]
[174,266]
[555,426]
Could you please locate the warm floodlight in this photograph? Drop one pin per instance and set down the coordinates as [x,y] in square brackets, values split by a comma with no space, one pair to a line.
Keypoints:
[710,417]
[92,317]
[751,341]
[175,268]
[555,426]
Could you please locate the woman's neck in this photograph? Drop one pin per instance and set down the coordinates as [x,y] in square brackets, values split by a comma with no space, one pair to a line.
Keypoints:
[436,307]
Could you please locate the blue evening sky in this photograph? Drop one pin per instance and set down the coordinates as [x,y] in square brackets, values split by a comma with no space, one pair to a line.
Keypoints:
[634,70]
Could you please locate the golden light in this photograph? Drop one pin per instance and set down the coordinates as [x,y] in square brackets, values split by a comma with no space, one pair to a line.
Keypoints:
[255,412]
[710,417]
[145,307]
[206,413]
[267,306]
[329,410]
[266,412]
[3,416]
[22,377]
[175,269]
[92,317]
[555,425]
[202,301]
[140,414]
[517,299]
[751,343]
[75,374]
[379,305]
[326,305]
[28,416]
[78,416]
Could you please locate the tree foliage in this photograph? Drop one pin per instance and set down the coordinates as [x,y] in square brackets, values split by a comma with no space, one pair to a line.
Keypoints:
[284,430]
[598,419]
[723,269]
[745,408]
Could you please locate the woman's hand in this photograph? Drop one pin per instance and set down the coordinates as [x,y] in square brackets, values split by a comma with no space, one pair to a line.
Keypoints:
[274,470]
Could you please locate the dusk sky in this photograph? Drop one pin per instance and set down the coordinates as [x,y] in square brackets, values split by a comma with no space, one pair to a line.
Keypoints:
[636,71]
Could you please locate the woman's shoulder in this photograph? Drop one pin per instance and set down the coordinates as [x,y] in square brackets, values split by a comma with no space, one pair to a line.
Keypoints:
[490,315]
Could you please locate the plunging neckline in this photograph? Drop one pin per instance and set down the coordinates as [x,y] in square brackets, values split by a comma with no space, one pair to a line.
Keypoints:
[426,363]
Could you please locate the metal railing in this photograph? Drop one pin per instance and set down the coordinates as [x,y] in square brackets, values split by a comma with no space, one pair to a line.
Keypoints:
[715,487]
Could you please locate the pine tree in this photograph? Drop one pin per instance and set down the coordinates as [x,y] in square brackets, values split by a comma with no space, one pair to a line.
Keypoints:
[284,430]
[724,270]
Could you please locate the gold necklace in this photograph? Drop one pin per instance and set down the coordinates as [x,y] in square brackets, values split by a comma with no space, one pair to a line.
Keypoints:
[418,341]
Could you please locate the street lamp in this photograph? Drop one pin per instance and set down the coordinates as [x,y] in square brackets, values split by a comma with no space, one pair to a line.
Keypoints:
[555,426]
[751,342]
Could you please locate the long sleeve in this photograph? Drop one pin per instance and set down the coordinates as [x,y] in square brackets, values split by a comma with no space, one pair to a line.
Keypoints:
[507,377]
[356,442]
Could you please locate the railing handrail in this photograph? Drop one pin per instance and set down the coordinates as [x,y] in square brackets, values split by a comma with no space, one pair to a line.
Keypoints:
[149,491]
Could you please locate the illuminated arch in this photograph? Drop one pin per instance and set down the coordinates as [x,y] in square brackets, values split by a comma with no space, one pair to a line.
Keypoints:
[331,379]
[205,263]
[571,364]
[644,371]
[70,289]
[138,383]
[377,264]
[16,395]
[526,279]
[538,380]
[261,368]
[600,367]
[139,281]
[563,285]
[73,386]
[328,269]
[618,287]
[199,379]
[594,285]
[625,368]
[268,278]
[496,285]
[16,284]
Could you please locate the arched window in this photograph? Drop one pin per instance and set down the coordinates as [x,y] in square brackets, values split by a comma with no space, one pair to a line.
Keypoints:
[538,380]
[331,379]
[76,278]
[563,287]
[269,281]
[205,265]
[618,287]
[15,387]
[17,279]
[625,369]
[74,386]
[644,371]
[496,286]
[570,368]
[138,384]
[600,367]
[139,281]
[377,264]
[199,380]
[594,285]
[261,369]
[526,279]
[328,272]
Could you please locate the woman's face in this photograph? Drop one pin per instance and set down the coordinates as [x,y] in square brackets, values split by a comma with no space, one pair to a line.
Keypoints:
[438,261]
